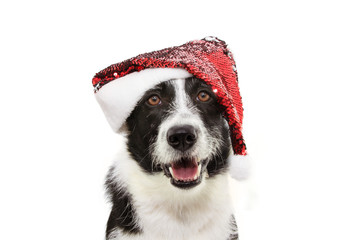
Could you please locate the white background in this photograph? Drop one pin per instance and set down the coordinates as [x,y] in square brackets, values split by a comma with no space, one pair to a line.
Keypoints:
[299,69]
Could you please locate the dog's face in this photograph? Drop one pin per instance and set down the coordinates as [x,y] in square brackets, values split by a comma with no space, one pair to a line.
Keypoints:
[178,128]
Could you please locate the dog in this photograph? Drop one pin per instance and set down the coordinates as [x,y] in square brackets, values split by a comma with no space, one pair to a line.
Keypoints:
[170,178]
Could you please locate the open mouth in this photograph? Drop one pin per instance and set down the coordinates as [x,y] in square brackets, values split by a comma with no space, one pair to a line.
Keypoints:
[186,172]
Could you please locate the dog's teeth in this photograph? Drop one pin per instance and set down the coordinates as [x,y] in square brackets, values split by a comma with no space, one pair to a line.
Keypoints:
[171,171]
[198,172]
[172,174]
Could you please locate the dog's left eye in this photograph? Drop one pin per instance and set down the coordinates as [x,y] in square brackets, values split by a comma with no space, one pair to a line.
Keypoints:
[154,100]
[203,96]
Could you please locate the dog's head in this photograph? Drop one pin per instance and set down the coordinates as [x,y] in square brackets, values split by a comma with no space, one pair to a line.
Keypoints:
[178,128]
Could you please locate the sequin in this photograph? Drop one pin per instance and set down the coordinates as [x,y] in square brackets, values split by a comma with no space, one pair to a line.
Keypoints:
[208,59]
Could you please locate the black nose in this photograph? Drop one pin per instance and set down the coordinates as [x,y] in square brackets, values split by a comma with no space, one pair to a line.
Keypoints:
[181,137]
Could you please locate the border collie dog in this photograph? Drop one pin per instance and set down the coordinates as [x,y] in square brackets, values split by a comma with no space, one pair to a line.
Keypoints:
[170,180]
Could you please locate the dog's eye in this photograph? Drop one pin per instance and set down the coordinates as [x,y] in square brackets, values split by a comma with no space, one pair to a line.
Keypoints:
[203,96]
[154,100]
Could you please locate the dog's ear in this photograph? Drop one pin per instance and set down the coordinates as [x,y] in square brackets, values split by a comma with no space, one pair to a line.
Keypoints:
[240,167]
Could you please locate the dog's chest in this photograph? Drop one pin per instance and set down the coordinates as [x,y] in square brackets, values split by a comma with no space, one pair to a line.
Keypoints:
[190,223]
[179,215]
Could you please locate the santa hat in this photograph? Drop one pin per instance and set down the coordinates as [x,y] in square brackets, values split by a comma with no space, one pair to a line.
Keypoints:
[120,86]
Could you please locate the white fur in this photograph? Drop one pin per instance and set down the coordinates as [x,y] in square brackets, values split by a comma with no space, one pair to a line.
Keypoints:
[119,97]
[166,212]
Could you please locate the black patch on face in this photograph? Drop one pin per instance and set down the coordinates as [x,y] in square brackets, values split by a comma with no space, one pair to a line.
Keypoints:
[143,124]
[122,213]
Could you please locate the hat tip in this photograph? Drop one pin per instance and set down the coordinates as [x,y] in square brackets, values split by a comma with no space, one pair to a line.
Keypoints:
[240,167]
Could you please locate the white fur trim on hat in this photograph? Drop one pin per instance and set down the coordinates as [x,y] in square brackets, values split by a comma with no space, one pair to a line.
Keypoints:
[240,167]
[119,97]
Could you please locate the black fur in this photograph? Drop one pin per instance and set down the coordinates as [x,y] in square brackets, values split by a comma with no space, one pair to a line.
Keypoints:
[122,214]
[233,236]
[143,124]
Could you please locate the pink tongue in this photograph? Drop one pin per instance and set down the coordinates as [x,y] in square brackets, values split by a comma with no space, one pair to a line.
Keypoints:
[185,170]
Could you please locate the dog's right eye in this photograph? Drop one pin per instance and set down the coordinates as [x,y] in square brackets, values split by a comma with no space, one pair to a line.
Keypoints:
[203,96]
[154,100]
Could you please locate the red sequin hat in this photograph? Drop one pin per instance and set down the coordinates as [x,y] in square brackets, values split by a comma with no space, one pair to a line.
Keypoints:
[208,59]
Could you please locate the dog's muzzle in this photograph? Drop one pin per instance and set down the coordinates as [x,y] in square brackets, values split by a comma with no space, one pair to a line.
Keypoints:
[185,172]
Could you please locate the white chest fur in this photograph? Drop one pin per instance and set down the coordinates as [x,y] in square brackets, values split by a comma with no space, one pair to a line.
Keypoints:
[166,212]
